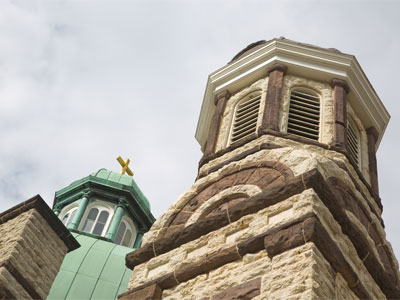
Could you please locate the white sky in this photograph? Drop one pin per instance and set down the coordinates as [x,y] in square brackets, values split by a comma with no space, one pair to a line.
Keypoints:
[82,82]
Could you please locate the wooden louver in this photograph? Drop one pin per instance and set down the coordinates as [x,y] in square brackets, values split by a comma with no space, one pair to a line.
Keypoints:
[304,114]
[246,115]
[353,143]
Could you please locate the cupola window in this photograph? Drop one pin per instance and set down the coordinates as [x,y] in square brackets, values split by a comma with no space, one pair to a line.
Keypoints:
[304,113]
[353,141]
[246,116]
[96,221]
[124,235]
[68,217]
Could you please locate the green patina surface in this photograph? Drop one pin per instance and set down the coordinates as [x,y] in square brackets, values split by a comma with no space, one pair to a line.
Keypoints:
[111,180]
[96,270]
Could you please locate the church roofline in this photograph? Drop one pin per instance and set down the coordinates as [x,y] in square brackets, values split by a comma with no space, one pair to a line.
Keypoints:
[305,60]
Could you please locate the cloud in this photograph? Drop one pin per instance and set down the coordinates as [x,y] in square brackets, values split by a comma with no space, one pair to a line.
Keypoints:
[82,82]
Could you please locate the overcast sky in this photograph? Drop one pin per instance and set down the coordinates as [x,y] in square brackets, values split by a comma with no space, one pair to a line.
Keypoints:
[82,82]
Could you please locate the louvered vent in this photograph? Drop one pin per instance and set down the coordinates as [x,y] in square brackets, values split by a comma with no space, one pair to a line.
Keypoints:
[246,116]
[353,142]
[304,114]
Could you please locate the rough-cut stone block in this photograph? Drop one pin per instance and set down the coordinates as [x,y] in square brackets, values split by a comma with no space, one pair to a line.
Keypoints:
[209,263]
[245,291]
[35,243]
[152,292]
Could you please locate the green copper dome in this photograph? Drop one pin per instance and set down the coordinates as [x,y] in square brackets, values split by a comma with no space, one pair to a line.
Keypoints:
[106,183]
[96,270]
[124,180]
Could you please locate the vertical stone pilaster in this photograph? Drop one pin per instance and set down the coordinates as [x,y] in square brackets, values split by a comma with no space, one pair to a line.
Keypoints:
[372,137]
[340,90]
[220,102]
[270,119]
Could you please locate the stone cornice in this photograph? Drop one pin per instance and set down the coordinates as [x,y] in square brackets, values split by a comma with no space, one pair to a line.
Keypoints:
[302,60]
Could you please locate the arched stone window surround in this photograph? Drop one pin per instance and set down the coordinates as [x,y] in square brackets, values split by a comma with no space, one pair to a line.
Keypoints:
[324,90]
[249,94]
[227,119]
[122,232]
[101,206]
[244,190]
[182,212]
[312,91]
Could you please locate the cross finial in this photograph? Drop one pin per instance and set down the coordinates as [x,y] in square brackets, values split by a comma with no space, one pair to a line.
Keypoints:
[124,165]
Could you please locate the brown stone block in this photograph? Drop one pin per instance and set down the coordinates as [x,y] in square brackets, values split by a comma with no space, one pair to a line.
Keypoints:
[284,240]
[169,230]
[263,177]
[251,245]
[139,256]
[5,293]
[207,157]
[372,137]
[207,264]
[340,83]
[152,292]
[277,67]
[181,218]
[223,95]
[270,118]
[200,228]
[167,281]
[244,291]
[220,102]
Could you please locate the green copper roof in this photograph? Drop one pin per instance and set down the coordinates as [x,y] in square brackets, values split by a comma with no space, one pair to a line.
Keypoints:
[123,179]
[111,180]
[96,270]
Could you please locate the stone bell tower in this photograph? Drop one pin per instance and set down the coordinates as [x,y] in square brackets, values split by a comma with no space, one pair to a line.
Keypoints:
[286,202]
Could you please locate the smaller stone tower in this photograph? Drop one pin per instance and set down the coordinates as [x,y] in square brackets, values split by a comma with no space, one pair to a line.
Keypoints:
[286,203]
[108,215]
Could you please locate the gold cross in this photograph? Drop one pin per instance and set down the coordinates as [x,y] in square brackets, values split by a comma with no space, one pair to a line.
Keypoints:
[124,165]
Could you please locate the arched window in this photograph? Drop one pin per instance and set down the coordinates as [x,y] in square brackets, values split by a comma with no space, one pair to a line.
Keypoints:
[245,116]
[96,220]
[304,113]
[69,216]
[126,234]
[353,141]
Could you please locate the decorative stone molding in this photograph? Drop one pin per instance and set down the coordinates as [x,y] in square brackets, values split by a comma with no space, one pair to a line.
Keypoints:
[278,240]
[246,190]
[220,102]
[332,193]
[259,174]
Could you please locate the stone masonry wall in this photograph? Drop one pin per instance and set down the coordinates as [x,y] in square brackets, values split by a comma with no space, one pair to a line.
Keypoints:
[300,273]
[246,228]
[30,255]
[299,157]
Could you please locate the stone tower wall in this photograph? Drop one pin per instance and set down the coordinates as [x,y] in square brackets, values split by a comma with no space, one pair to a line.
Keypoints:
[33,245]
[269,192]
[275,215]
